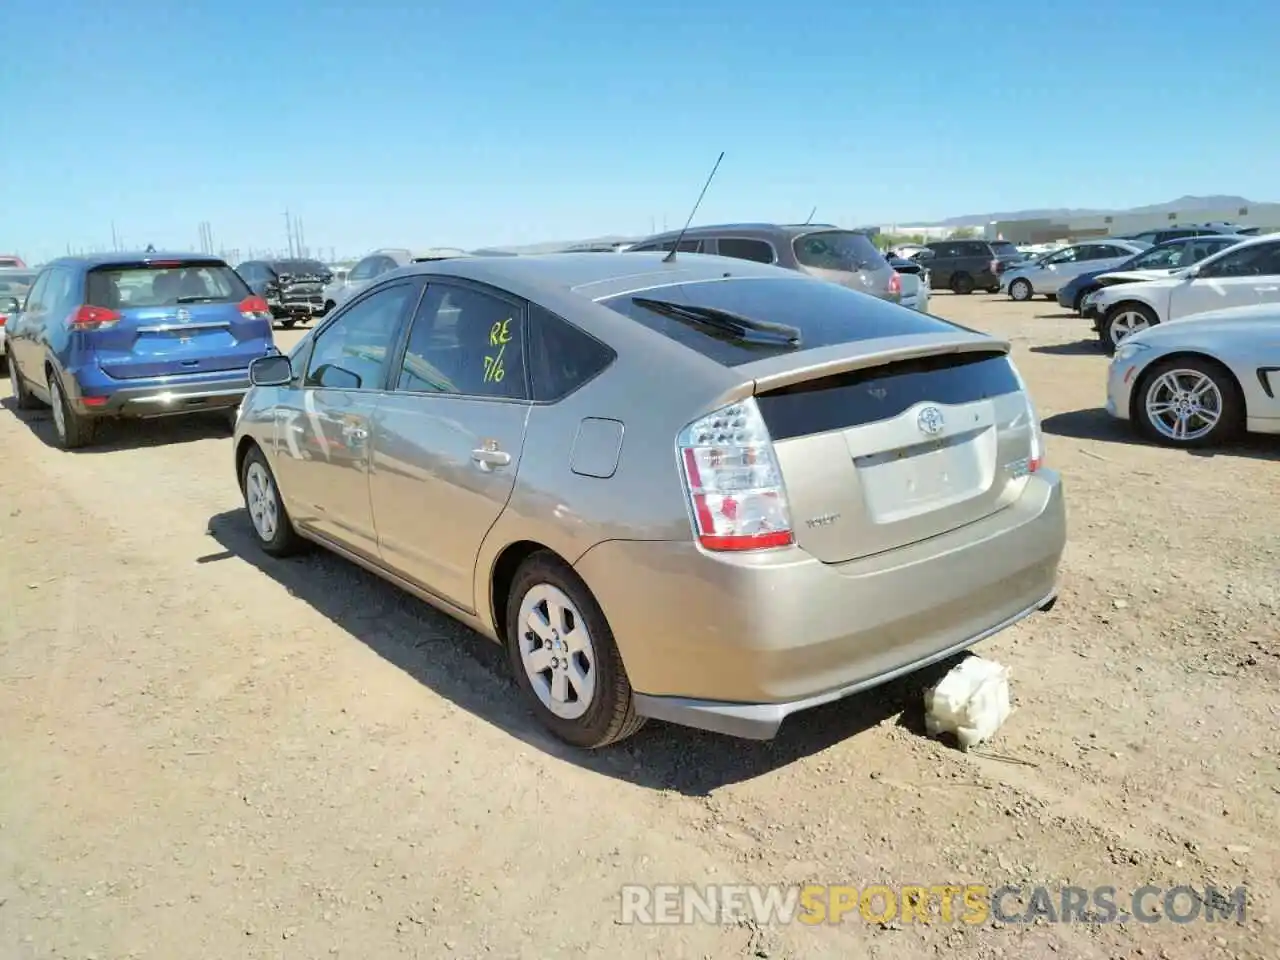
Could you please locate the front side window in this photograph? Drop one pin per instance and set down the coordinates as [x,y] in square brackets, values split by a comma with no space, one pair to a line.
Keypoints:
[1206,248]
[35,299]
[1261,260]
[1066,255]
[351,352]
[465,342]
[758,251]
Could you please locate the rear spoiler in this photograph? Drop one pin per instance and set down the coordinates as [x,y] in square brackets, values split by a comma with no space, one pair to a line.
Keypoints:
[787,369]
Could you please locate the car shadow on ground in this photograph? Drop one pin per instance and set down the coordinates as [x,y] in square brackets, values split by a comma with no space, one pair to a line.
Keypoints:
[113,436]
[1074,348]
[1097,424]
[472,672]
[1060,315]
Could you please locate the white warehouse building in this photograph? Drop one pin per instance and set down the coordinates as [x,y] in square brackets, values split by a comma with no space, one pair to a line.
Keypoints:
[1265,216]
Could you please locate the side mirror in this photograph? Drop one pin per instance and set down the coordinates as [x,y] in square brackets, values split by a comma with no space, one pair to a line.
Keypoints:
[272,371]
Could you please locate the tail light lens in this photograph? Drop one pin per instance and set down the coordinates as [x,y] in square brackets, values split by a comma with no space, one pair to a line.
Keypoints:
[4,318]
[1035,456]
[895,284]
[996,266]
[734,482]
[93,318]
[254,308]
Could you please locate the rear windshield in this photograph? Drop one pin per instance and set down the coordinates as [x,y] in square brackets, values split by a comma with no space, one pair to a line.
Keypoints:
[156,285]
[836,250]
[826,314]
[13,282]
[301,268]
[1004,248]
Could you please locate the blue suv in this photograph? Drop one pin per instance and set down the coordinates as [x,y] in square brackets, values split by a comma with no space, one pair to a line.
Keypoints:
[135,335]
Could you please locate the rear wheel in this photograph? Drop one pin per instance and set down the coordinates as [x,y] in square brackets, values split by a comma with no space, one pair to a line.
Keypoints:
[1189,402]
[1123,321]
[266,509]
[73,430]
[962,283]
[564,658]
[23,398]
[1021,290]
[288,322]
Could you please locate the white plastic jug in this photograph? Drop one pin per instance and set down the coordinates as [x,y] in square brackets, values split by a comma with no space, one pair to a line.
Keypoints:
[971,701]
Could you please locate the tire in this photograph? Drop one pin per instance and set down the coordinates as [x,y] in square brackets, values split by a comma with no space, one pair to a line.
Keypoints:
[962,284]
[1021,290]
[1204,389]
[72,430]
[328,308]
[1078,306]
[995,289]
[4,363]
[608,716]
[272,527]
[23,398]
[288,322]
[1122,320]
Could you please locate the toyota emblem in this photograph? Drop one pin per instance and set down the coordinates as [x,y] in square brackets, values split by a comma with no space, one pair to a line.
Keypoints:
[930,421]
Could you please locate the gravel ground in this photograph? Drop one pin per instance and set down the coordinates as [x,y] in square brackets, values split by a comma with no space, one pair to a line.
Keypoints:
[204,753]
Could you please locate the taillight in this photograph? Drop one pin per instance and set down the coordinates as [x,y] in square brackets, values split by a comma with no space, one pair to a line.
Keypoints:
[93,318]
[996,266]
[895,284]
[3,319]
[1035,456]
[734,482]
[254,308]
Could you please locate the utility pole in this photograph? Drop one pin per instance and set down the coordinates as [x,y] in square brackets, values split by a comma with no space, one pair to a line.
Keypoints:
[115,239]
[288,230]
[302,243]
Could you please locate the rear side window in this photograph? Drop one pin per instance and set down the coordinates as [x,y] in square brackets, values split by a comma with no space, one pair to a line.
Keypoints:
[1003,248]
[826,314]
[160,285]
[836,250]
[739,248]
[561,357]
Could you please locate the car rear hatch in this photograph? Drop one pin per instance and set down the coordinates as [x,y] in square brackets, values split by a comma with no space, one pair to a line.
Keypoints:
[174,318]
[893,441]
[848,258]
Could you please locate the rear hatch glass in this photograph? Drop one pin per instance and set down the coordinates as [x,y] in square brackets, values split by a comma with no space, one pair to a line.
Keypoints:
[897,451]
[1003,248]
[825,314]
[177,317]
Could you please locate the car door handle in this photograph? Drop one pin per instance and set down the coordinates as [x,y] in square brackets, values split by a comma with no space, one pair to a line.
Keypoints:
[488,459]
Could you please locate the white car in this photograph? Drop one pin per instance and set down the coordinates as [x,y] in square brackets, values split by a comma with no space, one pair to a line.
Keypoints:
[1199,381]
[375,265]
[1044,276]
[1246,274]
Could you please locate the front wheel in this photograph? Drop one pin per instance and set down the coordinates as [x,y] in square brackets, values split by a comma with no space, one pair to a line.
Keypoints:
[1123,321]
[288,322]
[564,658]
[1189,402]
[1021,290]
[262,499]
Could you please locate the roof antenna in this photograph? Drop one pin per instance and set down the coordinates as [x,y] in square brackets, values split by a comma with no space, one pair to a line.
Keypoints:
[670,257]
[809,220]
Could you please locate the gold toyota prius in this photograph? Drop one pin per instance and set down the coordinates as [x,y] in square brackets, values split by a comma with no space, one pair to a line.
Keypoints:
[691,488]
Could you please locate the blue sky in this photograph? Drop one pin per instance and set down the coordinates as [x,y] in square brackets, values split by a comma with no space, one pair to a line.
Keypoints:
[389,124]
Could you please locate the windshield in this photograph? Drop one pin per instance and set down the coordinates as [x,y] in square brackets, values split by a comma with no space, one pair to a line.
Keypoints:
[837,250]
[160,285]
[301,268]
[823,314]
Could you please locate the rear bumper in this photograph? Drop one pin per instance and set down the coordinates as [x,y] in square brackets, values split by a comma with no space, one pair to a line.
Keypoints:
[160,397]
[738,644]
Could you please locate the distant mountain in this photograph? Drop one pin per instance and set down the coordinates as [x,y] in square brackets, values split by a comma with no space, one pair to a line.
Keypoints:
[1186,204]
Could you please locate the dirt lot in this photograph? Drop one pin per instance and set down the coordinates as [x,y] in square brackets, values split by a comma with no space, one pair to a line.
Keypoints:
[206,754]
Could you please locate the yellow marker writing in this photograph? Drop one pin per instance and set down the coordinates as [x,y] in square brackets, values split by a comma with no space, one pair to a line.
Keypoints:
[500,333]
[493,368]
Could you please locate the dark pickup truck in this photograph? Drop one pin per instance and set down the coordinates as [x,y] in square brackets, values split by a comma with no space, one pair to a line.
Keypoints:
[293,289]
[963,266]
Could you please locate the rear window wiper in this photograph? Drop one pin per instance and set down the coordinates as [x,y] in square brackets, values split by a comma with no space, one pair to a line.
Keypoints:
[724,320]
[198,299]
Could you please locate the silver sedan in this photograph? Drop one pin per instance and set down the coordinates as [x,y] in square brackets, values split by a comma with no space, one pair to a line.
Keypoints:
[1045,275]
[1198,382]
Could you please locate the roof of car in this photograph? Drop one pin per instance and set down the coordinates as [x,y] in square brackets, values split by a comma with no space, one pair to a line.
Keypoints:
[790,229]
[594,275]
[124,257]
